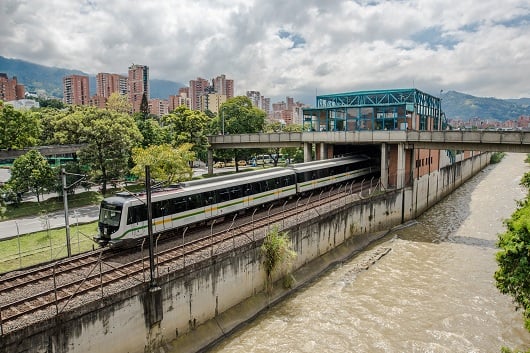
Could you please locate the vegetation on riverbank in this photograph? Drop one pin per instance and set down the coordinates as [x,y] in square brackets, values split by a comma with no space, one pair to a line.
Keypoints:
[513,275]
[278,257]
[496,157]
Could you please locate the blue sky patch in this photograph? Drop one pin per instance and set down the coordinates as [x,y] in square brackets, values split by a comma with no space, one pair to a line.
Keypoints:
[297,40]
[433,37]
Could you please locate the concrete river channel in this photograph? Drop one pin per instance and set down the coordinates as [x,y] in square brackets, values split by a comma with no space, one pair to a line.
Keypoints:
[432,292]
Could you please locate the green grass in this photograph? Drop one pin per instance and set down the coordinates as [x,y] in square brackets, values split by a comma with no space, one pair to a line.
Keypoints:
[45,246]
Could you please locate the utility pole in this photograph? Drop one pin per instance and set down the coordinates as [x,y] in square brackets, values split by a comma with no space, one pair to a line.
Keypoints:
[150,226]
[66,220]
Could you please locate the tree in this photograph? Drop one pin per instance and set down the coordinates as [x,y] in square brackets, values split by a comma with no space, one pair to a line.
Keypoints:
[166,163]
[238,116]
[18,129]
[188,126]
[119,103]
[108,137]
[31,172]
[152,132]
[144,106]
[513,275]
[50,103]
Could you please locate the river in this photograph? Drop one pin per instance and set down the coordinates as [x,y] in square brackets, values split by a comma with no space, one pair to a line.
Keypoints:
[433,292]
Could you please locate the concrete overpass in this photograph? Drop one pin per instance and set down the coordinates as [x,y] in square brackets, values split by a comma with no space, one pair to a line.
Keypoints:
[495,141]
[392,140]
[54,150]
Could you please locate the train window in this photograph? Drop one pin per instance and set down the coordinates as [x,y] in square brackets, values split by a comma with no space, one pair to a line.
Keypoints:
[236,193]
[110,217]
[137,214]
[179,205]
[224,195]
[247,189]
[208,197]
[159,209]
[194,201]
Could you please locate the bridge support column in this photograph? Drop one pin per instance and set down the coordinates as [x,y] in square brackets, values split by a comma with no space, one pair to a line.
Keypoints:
[384,165]
[307,152]
[323,151]
[400,165]
[210,161]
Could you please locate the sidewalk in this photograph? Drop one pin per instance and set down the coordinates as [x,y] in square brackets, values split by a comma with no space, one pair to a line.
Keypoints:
[25,225]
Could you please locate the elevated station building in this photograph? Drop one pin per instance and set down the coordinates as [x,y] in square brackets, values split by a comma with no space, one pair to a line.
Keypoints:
[382,110]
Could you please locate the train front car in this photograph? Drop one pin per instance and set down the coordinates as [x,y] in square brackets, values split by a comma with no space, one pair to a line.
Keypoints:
[110,219]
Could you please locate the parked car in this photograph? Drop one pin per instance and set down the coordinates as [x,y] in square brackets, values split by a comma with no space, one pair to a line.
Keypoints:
[219,165]
[241,163]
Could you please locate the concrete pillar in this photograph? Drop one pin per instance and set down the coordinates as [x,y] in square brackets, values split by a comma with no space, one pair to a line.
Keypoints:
[307,152]
[323,148]
[384,165]
[400,165]
[210,161]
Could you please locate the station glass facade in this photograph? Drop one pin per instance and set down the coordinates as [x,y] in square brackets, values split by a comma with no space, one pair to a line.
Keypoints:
[397,109]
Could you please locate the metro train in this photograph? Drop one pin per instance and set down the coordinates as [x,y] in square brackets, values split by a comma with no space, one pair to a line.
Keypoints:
[123,217]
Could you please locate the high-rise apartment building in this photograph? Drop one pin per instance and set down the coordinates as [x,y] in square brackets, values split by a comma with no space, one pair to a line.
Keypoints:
[158,107]
[106,84]
[197,88]
[76,90]
[138,85]
[212,102]
[255,98]
[266,105]
[223,86]
[10,89]
[181,99]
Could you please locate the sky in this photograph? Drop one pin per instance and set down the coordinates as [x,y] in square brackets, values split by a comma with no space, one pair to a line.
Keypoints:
[295,48]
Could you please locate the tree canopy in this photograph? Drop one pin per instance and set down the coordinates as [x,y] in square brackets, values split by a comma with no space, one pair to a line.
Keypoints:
[119,103]
[187,126]
[238,116]
[166,162]
[18,129]
[108,137]
[31,172]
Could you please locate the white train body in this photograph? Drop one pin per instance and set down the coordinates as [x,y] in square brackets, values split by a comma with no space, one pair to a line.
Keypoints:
[124,217]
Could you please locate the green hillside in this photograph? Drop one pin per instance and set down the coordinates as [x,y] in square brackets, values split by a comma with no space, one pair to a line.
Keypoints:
[458,105]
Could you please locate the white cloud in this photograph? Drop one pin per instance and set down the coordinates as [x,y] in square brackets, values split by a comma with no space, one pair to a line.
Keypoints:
[284,48]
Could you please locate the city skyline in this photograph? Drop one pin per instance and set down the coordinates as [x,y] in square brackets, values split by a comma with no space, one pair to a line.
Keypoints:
[295,48]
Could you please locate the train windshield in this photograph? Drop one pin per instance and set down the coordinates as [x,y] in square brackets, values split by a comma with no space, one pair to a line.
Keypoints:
[110,217]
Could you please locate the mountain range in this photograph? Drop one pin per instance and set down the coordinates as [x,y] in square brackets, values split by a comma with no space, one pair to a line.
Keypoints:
[50,79]
[456,105]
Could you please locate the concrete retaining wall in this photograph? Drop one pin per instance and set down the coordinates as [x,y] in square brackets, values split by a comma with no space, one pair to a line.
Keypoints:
[195,298]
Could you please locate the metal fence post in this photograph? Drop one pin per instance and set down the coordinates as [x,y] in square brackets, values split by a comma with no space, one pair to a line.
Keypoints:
[19,249]
[252,220]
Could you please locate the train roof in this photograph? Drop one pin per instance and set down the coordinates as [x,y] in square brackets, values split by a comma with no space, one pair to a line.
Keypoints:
[326,163]
[202,185]
[229,177]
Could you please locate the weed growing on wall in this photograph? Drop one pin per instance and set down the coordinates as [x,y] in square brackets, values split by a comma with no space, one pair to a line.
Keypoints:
[278,257]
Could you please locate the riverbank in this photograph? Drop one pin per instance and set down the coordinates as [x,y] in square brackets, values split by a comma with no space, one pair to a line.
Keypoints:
[207,335]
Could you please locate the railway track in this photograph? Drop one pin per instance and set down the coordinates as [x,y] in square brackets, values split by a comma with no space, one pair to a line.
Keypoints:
[54,288]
